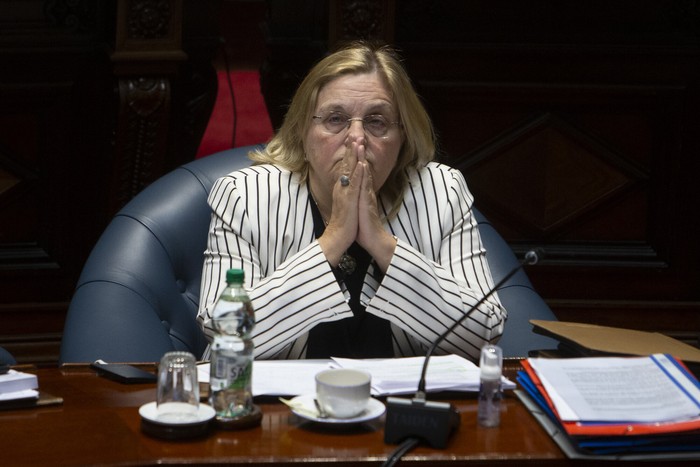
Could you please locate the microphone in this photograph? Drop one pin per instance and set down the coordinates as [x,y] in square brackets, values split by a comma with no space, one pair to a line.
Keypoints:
[433,422]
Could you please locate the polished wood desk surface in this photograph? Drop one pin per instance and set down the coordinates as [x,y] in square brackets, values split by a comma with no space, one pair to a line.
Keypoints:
[99,423]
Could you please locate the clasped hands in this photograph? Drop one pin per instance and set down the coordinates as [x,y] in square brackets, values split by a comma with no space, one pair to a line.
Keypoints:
[355,215]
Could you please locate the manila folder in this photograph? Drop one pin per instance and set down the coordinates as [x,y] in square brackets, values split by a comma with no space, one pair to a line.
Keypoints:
[619,341]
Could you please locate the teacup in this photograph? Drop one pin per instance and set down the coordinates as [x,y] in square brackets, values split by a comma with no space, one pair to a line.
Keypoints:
[343,392]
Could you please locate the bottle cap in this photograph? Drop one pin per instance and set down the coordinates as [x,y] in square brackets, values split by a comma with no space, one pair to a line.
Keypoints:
[235,276]
[491,363]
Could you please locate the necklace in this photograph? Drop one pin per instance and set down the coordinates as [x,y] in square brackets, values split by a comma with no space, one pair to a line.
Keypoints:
[347,263]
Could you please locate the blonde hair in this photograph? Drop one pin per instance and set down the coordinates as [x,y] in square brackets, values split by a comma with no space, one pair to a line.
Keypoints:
[286,148]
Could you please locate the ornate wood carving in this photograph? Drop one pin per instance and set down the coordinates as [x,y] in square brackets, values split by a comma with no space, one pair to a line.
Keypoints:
[149,19]
[74,15]
[146,29]
[143,131]
[361,19]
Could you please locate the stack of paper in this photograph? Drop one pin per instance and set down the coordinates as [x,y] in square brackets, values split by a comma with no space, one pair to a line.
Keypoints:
[17,385]
[400,375]
[617,405]
[389,376]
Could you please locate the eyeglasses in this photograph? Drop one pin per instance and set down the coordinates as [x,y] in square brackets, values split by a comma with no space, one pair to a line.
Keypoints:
[335,122]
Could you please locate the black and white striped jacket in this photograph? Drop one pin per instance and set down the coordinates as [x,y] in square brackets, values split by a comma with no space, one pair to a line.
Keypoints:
[262,223]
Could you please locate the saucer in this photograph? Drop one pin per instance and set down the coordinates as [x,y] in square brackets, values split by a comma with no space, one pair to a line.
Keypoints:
[174,430]
[304,407]
[150,413]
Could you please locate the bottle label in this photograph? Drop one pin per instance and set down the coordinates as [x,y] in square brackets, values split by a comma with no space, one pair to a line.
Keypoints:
[232,373]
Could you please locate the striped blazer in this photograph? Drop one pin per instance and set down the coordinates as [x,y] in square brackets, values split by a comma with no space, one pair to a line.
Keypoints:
[262,223]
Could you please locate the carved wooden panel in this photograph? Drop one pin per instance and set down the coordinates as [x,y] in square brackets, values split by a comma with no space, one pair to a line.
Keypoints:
[49,159]
[81,132]
[361,19]
[572,124]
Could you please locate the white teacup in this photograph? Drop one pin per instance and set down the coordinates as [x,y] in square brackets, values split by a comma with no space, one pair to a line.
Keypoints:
[343,392]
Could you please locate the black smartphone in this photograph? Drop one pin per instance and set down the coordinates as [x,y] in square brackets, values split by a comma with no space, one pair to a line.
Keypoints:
[127,374]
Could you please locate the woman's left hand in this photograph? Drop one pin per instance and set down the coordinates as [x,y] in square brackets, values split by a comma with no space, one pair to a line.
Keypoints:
[371,234]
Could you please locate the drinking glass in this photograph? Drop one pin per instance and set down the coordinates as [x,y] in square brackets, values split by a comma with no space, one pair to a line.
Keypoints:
[178,388]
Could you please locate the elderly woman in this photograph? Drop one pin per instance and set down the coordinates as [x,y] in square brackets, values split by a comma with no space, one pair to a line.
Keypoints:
[354,244]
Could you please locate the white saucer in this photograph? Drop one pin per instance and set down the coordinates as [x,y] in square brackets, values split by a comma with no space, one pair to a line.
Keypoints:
[150,412]
[304,407]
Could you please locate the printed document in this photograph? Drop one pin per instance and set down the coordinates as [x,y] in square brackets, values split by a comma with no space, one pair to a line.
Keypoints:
[614,389]
[389,376]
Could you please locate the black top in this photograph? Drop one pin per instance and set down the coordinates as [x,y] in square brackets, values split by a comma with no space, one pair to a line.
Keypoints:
[361,336]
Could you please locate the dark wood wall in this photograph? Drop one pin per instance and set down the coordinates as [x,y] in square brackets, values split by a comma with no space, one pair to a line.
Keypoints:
[575,123]
[97,99]
[576,126]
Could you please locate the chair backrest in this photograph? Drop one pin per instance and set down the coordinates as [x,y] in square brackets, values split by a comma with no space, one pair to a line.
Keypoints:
[6,358]
[138,292]
[517,295]
[137,295]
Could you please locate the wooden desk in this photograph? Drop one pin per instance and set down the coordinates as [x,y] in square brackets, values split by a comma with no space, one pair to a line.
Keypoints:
[98,423]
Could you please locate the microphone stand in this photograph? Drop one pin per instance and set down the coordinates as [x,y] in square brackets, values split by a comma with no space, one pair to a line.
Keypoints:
[433,422]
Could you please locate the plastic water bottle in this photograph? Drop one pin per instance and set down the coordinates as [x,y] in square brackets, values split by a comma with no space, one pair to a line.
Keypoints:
[490,395]
[230,379]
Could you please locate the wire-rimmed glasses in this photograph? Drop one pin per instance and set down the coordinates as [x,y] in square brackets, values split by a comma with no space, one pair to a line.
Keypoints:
[335,122]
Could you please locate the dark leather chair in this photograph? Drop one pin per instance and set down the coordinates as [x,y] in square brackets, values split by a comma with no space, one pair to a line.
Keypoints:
[138,292]
[6,358]
[517,295]
[137,295]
